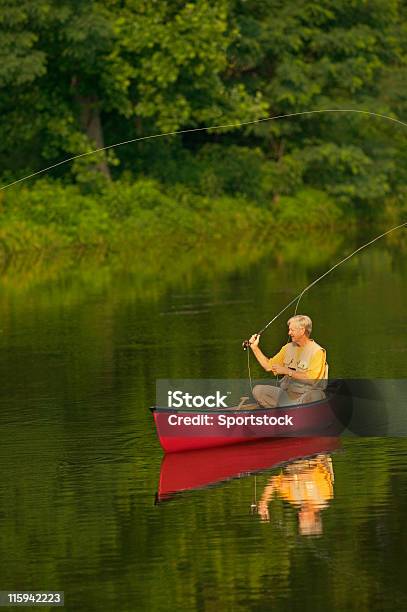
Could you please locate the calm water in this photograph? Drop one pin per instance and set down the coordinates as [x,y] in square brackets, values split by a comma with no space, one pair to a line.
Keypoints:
[82,347]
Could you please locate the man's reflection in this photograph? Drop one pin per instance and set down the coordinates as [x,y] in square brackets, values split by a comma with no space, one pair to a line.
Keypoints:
[307,484]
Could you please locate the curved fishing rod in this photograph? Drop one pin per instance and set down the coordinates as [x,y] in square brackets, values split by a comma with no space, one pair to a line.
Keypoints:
[201,129]
[298,298]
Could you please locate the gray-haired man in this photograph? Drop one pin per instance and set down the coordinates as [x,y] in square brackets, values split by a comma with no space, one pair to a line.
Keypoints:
[302,362]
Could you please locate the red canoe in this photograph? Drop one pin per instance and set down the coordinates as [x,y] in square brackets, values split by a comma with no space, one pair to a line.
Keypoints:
[200,468]
[184,429]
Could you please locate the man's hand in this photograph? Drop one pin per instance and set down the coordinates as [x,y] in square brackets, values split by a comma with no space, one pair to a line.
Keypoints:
[279,369]
[257,352]
[254,340]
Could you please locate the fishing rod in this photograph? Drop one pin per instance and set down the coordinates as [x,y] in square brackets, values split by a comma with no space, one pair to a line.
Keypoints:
[246,343]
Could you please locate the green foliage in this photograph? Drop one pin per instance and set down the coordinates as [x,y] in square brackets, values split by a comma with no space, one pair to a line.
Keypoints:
[78,65]
[309,208]
[345,172]
[179,51]
[61,215]
[240,172]
[304,56]
[21,61]
[77,75]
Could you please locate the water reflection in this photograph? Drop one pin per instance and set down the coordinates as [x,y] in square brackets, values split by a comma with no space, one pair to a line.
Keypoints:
[307,484]
[82,346]
[149,271]
[306,479]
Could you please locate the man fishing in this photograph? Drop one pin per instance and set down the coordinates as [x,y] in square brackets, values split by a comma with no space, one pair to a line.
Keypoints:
[302,362]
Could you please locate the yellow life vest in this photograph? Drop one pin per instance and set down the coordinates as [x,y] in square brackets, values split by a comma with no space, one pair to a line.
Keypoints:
[299,359]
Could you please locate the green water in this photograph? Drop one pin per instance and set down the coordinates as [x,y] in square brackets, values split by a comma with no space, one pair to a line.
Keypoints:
[83,342]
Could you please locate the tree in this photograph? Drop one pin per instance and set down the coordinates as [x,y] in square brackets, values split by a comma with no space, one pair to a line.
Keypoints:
[120,62]
[322,55]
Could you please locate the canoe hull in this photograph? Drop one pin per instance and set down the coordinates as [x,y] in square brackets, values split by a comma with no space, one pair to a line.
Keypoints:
[183,430]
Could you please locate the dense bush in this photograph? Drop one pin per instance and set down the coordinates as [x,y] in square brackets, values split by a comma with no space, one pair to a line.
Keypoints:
[50,214]
[309,208]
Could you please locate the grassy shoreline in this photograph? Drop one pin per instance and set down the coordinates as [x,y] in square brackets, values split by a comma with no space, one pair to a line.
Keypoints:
[148,220]
[51,216]
[53,234]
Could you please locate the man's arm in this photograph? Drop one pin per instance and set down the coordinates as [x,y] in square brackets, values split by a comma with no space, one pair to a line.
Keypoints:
[316,369]
[258,353]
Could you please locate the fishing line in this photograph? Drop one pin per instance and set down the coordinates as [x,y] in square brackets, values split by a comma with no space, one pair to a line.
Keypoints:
[250,375]
[234,125]
[346,259]
[298,298]
[253,505]
[201,129]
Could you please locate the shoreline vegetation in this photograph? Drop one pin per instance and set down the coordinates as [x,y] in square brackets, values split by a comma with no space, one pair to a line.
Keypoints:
[55,234]
[90,75]
[51,217]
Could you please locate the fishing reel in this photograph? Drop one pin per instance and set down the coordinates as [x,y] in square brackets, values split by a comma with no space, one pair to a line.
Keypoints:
[246,343]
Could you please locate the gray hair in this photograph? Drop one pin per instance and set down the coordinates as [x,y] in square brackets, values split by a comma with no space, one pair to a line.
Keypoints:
[303,321]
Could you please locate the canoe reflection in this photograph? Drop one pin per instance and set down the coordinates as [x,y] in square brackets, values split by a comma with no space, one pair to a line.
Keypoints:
[201,468]
[307,484]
